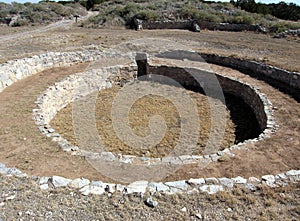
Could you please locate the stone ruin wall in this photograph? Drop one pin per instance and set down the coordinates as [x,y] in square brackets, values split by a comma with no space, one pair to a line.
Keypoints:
[246,92]
[287,81]
[187,25]
[15,70]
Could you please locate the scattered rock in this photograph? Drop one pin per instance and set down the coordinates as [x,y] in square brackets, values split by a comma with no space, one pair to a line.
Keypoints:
[28,213]
[10,197]
[199,216]
[183,209]
[150,202]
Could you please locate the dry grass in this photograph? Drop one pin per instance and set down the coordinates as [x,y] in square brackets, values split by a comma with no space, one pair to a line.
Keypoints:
[63,203]
[139,117]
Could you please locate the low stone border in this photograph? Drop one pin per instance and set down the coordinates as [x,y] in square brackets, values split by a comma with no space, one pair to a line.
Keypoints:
[61,94]
[15,70]
[294,33]
[210,185]
[287,81]
[190,25]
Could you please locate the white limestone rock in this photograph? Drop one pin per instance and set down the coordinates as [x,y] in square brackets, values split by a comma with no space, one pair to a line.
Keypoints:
[150,202]
[211,189]
[157,187]
[198,181]
[269,180]
[92,190]
[226,182]
[79,183]
[44,186]
[137,187]
[59,181]
[239,180]
[181,184]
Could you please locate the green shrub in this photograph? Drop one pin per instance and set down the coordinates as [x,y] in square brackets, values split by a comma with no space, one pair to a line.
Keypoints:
[130,10]
[248,20]
[20,22]
[148,15]
[206,16]
[284,26]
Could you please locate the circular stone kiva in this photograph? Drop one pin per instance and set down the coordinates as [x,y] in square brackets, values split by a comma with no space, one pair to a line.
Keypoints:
[82,90]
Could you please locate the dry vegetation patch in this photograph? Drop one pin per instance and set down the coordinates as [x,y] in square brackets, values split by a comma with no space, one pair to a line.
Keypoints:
[31,203]
[139,117]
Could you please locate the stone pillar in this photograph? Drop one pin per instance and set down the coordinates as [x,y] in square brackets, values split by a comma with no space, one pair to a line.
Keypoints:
[143,67]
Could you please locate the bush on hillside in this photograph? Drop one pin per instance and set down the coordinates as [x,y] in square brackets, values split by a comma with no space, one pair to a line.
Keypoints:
[41,13]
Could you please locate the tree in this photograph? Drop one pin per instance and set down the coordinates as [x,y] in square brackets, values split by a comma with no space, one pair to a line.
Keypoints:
[90,3]
[281,10]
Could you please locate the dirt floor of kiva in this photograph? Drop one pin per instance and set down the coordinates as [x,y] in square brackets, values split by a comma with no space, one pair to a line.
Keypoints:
[139,116]
[24,147]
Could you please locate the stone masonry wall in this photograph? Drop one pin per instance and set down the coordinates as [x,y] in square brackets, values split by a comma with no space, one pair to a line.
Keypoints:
[246,92]
[167,25]
[286,81]
[63,92]
[187,25]
[15,70]
[228,27]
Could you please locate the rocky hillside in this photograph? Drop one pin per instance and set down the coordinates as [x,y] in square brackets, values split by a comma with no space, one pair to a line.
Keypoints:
[17,14]
[121,12]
